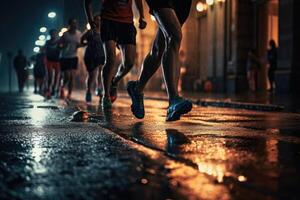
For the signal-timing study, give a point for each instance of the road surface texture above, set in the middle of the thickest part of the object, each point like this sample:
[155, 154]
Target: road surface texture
[48, 152]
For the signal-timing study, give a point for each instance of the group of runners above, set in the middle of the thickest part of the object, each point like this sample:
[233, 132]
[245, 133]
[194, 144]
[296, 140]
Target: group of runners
[112, 29]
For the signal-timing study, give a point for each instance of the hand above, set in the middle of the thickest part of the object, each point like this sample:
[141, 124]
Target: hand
[142, 23]
[92, 24]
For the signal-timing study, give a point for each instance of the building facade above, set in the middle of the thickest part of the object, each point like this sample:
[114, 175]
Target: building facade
[220, 33]
[217, 38]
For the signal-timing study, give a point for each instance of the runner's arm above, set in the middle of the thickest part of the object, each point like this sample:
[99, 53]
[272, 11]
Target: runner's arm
[84, 39]
[139, 6]
[61, 42]
[89, 12]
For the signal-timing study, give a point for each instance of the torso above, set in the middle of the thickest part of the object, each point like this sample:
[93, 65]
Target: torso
[52, 51]
[71, 43]
[118, 10]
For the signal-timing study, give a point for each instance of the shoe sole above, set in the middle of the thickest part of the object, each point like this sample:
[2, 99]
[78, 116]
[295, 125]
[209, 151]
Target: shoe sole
[183, 109]
[131, 96]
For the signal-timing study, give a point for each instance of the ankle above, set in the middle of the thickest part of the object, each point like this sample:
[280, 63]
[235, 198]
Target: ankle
[173, 98]
[138, 87]
[114, 82]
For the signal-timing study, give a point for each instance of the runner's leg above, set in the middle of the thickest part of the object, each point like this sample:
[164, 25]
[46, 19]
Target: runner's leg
[170, 26]
[107, 71]
[152, 61]
[128, 58]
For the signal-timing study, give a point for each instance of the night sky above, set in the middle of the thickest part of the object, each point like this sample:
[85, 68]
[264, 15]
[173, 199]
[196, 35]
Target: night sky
[21, 21]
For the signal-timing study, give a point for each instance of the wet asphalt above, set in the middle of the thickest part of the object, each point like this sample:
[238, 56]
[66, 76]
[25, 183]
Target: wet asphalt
[48, 152]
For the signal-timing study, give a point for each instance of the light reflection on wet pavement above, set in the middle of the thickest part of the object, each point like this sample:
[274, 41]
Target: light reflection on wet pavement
[254, 151]
[211, 153]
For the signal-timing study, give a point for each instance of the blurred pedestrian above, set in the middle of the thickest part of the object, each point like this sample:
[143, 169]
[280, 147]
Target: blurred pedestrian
[20, 65]
[39, 71]
[52, 63]
[94, 58]
[117, 29]
[170, 16]
[272, 61]
[253, 65]
[69, 42]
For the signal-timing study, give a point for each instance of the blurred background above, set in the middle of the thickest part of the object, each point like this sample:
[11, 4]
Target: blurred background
[217, 38]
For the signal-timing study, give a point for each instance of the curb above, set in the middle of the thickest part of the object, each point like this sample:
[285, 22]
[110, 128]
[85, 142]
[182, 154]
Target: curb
[228, 104]
[239, 105]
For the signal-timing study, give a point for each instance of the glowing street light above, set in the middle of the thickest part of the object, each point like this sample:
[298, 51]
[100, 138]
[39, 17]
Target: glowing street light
[210, 2]
[42, 37]
[200, 6]
[62, 31]
[51, 15]
[43, 29]
[40, 43]
[36, 49]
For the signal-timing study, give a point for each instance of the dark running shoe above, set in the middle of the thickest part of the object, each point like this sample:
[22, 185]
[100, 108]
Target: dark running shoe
[178, 107]
[137, 106]
[88, 97]
[99, 92]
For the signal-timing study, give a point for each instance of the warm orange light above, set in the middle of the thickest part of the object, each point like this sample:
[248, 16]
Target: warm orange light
[200, 6]
[210, 2]
[242, 178]
[221, 1]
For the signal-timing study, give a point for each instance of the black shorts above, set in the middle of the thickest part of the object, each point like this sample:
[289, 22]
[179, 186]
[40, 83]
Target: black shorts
[68, 63]
[121, 33]
[92, 63]
[181, 7]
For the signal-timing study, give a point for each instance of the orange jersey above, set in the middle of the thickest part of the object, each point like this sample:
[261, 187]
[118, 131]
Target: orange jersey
[118, 10]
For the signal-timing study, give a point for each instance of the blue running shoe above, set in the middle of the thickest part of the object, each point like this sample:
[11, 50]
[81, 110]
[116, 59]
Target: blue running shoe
[99, 92]
[88, 97]
[178, 107]
[137, 106]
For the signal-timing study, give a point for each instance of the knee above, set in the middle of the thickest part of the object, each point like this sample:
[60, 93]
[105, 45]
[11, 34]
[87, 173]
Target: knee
[174, 39]
[110, 59]
[157, 52]
[128, 63]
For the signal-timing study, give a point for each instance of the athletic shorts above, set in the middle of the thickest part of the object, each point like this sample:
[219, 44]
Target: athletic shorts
[39, 72]
[68, 63]
[92, 63]
[181, 7]
[52, 65]
[121, 33]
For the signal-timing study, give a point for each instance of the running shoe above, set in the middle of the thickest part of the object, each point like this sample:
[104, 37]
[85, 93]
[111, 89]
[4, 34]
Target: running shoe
[113, 92]
[137, 106]
[99, 92]
[69, 96]
[88, 97]
[106, 103]
[48, 94]
[178, 107]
